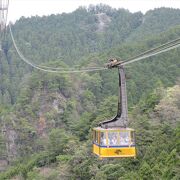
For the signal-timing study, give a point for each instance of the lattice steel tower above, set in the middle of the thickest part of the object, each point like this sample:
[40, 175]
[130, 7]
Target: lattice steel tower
[3, 14]
[4, 4]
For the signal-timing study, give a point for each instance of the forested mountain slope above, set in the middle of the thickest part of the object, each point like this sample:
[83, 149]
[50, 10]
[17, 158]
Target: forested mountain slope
[46, 119]
[70, 38]
[154, 22]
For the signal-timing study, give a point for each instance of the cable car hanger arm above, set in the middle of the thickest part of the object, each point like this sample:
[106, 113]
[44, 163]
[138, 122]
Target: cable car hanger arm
[121, 119]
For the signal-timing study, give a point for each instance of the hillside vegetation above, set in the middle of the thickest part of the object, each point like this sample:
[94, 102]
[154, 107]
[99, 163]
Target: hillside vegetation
[46, 119]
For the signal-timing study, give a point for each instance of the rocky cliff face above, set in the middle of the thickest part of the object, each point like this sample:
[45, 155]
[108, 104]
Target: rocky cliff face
[169, 107]
[103, 21]
[39, 110]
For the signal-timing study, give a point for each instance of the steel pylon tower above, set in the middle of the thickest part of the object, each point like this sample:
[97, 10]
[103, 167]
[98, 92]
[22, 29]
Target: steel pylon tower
[4, 4]
[3, 14]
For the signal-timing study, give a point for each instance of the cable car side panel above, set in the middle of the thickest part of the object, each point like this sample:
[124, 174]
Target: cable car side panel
[117, 152]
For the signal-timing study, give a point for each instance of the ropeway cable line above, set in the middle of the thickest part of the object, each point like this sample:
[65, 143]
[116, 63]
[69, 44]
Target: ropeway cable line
[155, 51]
[168, 44]
[49, 69]
[152, 52]
[69, 68]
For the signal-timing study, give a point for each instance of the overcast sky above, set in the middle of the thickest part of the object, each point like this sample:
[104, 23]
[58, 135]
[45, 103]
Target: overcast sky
[27, 8]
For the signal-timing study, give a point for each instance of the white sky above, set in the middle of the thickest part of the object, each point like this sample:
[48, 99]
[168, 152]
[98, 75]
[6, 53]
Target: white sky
[28, 8]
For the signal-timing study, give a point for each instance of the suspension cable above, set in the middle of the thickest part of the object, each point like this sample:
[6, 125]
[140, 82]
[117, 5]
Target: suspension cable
[155, 49]
[68, 68]
[52, 70]
[152, 52]
[173, 46]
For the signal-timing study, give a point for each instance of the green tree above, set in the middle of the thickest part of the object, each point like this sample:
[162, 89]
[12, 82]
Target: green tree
[58, 140]
[145, 171]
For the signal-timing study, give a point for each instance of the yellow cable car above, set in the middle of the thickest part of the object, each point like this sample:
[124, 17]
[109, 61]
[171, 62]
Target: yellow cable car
[113, 139]
[114, 142]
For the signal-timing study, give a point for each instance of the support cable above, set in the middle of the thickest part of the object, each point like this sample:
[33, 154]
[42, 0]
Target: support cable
[68, 68]
[156, 49]
[152, 54]
[50, 69]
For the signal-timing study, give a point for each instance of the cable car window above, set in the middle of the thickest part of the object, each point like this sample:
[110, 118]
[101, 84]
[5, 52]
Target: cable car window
[95, 136]
[103, 139]
[112, 138]
[124, 138]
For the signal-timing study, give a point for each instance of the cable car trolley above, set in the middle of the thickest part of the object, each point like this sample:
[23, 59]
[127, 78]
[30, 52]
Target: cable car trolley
[113, 139]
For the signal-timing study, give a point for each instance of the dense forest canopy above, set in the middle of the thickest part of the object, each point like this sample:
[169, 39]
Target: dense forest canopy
[47, 119]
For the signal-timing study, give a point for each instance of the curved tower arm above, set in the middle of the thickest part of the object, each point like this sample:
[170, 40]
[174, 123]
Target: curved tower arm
[120, 120]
